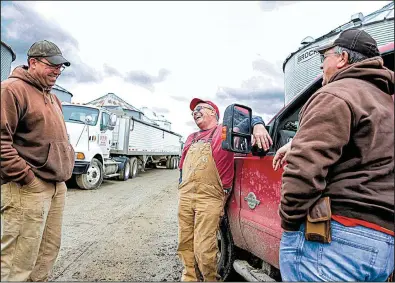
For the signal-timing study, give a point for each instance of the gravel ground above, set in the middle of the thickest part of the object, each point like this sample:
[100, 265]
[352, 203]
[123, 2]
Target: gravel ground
[124, 231]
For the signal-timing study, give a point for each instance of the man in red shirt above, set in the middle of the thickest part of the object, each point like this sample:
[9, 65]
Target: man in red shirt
[206, 180]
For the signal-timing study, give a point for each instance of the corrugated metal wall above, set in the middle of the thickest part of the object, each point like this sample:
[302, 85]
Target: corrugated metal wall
[148, 139]
[304, 66]
[6, 60]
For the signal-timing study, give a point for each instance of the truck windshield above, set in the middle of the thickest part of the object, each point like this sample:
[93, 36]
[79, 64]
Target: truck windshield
[77, 114]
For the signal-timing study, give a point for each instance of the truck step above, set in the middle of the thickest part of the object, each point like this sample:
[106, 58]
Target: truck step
[111, 175]
[250, 273]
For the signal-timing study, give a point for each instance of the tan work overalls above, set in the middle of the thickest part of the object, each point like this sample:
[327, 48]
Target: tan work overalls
[201, 203]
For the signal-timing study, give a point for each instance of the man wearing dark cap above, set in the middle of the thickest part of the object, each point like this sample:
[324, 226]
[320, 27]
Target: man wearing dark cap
[206, 180]
[36, 160]
[344, 150]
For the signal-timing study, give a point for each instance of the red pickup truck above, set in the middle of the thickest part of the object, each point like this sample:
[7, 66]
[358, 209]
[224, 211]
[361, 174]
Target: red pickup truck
[250, 232]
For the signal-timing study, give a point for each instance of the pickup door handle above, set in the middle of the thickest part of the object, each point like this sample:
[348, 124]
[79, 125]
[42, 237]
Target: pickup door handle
[251, 200]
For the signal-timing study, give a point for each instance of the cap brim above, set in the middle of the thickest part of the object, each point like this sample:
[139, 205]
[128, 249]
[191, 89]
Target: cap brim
[325, 47]
[195, 102]
[57, 60]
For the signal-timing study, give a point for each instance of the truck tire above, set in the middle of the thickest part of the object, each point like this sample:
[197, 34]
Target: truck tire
[226, 247]
[173, 162]
[168, 163]
[125, 172]
[134, 168]
[93, 178]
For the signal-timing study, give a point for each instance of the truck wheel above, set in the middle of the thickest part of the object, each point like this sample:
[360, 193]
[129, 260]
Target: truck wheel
[226, 248]
[93, 178]
[173, 163]
[125, 172]
[134, 167]
[168, 163]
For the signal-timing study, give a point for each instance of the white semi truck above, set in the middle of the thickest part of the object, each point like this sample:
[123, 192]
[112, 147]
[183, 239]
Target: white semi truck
[110, 144]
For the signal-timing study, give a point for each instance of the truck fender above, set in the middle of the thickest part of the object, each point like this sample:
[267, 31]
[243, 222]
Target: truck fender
[121, 160]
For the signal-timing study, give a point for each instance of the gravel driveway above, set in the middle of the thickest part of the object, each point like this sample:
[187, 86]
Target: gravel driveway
[124, 231]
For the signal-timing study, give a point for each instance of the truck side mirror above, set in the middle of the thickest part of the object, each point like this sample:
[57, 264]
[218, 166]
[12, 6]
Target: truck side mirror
[236, 129]
[88, 119]
[113, 120]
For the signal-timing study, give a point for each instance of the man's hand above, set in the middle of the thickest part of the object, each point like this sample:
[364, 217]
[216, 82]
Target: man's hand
[280, 156]
[261, 137]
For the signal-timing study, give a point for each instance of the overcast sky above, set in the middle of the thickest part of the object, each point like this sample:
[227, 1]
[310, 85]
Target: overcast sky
[162, 54]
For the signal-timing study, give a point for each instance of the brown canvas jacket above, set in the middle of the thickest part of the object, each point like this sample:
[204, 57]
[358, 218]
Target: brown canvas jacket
[344, 149]
[34, 139]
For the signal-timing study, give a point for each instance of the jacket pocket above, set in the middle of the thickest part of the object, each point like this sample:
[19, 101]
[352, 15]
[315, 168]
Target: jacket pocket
[36, 165]
[60, 162]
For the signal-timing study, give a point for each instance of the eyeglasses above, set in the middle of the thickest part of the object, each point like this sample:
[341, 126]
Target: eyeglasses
[197, 109]
[53, 67]
[323, 56]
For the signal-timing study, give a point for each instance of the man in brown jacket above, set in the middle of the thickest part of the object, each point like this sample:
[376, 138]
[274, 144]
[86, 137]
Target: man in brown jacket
[344, 150]
[36, 160]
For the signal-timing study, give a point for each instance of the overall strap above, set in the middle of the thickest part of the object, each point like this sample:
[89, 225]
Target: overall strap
[194, 138]
[211, 135]
[209, 139]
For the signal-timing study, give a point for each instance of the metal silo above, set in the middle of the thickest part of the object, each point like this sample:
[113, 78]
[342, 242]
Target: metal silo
[303, 66]
[63, 94]
[7, 57]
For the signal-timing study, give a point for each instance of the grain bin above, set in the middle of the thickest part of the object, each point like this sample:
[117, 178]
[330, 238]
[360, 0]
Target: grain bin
[63, 94]
[7, 57]
[303, 66]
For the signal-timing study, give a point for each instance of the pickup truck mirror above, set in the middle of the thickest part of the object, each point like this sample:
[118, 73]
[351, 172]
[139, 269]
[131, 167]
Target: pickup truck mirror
[236, 129]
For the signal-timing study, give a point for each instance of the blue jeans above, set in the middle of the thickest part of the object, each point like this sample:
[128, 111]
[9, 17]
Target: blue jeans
[355, 254]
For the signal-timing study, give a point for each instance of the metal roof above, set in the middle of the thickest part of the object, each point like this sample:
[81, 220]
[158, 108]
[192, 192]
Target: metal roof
[111, 99]
[58, 87]
[9, 48]
[385, 13]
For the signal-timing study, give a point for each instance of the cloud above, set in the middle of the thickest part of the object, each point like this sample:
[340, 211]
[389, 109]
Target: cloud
[111, 71]
[160, 110]
[146, 80]
[263, 101]
[22, 26]
[180, 98]
[263, 92]
[140, 78]
[268, 6]
[191, 124]
[268, 69]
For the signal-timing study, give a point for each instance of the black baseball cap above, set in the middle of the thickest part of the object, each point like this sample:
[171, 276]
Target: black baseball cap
[356, 40]
[49, 51]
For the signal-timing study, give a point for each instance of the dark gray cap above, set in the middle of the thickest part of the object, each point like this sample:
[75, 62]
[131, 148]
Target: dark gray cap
[49, 51]
[356, 40]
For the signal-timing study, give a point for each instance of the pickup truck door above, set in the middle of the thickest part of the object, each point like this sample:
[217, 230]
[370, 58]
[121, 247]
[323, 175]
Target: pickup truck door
[260, 198]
